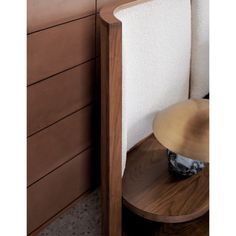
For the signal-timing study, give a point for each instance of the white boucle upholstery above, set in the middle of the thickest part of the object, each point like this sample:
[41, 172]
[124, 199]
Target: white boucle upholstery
[200, 49]
[156, 48]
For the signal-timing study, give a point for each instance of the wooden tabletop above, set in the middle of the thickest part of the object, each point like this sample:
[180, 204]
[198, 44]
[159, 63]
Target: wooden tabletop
[135, 225]
[151, 192]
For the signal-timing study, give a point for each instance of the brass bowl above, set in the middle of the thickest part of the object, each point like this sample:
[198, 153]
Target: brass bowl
[183, 128]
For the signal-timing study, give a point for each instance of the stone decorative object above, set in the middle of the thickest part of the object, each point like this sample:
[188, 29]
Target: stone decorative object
[183, 166]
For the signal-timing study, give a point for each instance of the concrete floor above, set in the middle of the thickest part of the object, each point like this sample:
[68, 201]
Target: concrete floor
[84, 218]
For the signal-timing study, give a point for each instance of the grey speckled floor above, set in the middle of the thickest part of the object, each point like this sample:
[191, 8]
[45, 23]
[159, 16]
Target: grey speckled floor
[84, 218]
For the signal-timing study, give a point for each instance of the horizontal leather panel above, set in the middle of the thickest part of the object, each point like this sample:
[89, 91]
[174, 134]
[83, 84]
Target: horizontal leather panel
[98, 39]
[102, 3]
[59, 96]
[59, 48]
[42, 14]
[58, 189]
[58, 143]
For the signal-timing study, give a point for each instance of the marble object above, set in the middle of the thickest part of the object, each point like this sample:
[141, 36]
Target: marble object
[183, 166]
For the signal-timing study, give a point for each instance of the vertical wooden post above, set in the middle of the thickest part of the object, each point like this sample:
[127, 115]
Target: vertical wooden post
[111, 127]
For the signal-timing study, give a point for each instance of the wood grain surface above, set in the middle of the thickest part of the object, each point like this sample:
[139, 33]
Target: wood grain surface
[58, 189]
[57, 97]
[152, 192]
[111, 117]
[43, 14]
[57, 144]
[111, 128]
[59, 48]
[134, 225]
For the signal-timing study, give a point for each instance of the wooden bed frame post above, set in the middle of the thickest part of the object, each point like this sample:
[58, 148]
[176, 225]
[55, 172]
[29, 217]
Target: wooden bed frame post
[111, 126]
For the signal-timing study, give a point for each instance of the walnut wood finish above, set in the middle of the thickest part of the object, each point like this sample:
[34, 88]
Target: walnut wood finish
[135, 225]
[111, 115]
[110, 128]
[150, 191]
[43, 14]
[53, 99]
[51, 194]
[57, 144]
[59, 48]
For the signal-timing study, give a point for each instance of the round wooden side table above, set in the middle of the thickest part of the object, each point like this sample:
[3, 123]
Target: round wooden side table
[152, 192]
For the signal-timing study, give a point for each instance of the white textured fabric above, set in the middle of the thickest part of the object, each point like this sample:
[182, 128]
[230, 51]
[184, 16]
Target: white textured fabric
[200, 49]
[156, 47]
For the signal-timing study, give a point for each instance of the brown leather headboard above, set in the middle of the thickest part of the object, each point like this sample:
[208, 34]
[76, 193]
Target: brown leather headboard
[61, 44]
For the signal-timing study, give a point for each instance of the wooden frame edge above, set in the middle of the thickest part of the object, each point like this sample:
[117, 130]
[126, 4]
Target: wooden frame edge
[111, 117]
[111, 78]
